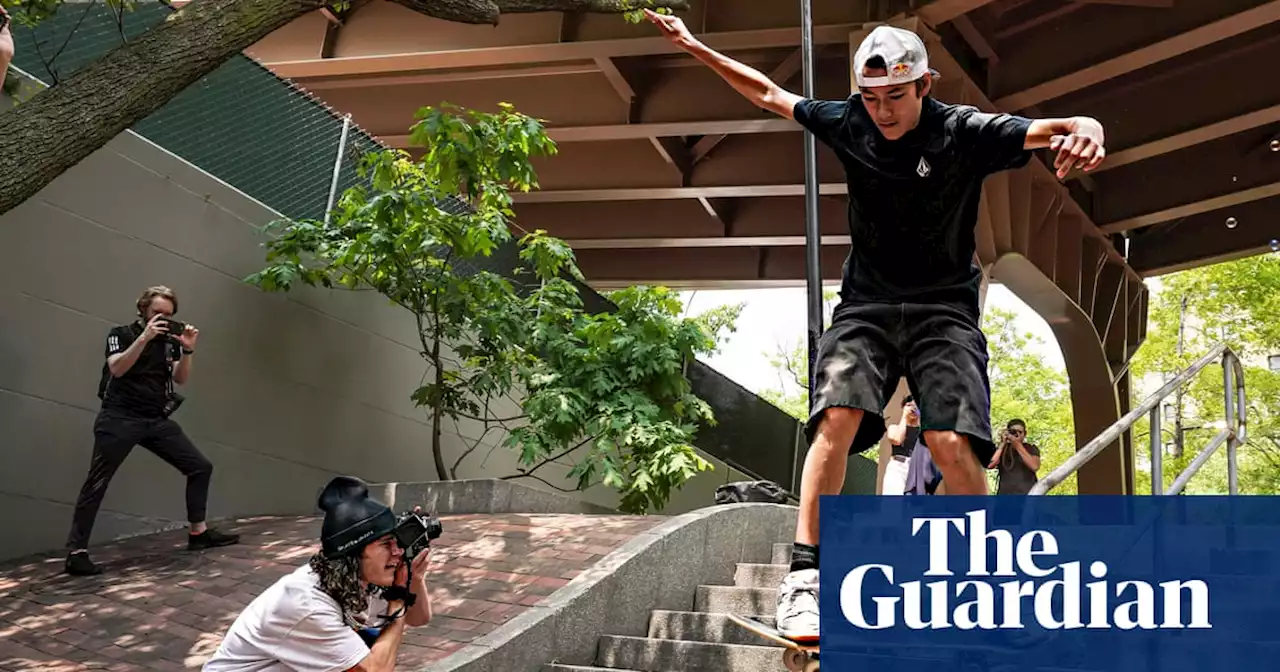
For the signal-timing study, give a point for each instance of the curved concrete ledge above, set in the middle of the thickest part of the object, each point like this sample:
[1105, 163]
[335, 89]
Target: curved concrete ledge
[659, 569]
[479, 495]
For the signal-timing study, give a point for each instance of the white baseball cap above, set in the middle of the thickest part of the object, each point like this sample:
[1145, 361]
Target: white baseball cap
[905, 57]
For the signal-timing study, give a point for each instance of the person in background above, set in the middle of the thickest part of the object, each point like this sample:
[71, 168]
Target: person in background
[144, 360]
[903, 437]
[335, 614]
[1015, 460]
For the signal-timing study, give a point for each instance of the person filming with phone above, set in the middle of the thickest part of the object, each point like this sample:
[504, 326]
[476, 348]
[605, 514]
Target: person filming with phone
[145, 359]
[348, 607]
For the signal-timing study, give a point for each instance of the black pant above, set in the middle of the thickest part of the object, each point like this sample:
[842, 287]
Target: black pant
[114, 435]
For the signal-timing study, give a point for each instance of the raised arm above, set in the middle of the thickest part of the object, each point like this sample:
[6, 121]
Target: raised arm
[1079, 142]
[746, 80]
[898, 432]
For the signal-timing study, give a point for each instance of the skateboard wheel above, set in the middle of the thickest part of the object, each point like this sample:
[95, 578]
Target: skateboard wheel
[798, 661]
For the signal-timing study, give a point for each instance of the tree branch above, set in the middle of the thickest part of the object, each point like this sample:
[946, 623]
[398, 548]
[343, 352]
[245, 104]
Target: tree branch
[559, 455]
[488, 420]
[123, 87]
[488, 11]
[538, 478]
[473, 447]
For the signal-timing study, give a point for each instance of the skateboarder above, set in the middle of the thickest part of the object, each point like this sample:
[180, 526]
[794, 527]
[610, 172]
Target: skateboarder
[915, 168]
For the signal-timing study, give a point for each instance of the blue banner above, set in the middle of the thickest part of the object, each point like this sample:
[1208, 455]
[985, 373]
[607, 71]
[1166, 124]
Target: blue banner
[967, 584]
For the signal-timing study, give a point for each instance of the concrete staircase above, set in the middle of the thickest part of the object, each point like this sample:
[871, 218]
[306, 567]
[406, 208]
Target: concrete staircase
[703, 639]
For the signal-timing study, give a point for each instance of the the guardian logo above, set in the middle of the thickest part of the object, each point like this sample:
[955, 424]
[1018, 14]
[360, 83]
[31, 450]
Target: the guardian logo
[1058, 602]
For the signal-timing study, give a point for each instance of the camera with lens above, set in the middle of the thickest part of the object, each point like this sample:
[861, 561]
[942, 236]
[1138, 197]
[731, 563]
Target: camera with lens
[414, 533]
[175, 328]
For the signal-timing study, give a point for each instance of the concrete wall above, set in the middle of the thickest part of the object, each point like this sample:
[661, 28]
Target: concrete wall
[286, 390]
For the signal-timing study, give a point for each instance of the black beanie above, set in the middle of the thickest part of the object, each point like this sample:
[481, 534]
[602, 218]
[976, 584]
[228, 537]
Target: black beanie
[351, 518]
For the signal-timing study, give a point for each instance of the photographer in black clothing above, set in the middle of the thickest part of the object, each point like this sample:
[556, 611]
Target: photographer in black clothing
[144, 360]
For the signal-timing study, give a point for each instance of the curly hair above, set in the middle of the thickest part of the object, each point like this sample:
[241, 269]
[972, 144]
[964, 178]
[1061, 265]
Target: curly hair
[340, 579]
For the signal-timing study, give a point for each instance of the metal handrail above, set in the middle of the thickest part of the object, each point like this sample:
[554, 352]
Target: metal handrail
[1233, 435]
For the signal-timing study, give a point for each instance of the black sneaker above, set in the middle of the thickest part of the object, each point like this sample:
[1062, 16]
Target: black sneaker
[210, 538]
[79, 564]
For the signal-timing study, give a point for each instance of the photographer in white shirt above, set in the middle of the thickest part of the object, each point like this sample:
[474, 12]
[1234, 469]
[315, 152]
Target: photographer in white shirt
[347, 609]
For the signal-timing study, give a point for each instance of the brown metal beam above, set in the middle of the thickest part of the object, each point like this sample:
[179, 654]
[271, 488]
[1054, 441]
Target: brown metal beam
[939, 12]
[560, 52]
[1191, 40]
[620, 84]
[1191, 138]
[1204, 239]
[1155, 4]
[1052, 15]
[676, 155]
[1189, 209]
[643, 131]
[975, 38]
[366, 82]
[781, 74]
[703, 241]
[668, 193]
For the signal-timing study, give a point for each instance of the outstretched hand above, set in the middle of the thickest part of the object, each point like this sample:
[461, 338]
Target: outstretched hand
[1081, 149]
[672, 27]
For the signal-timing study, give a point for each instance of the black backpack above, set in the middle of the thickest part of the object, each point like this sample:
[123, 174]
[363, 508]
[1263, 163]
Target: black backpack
[751, 491]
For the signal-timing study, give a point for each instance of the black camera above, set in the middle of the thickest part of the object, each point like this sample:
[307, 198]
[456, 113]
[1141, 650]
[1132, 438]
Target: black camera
[414, 533]
[171, 403]
[175, 327]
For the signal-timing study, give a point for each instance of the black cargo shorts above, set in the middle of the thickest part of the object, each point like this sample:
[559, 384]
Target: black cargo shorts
[941, 350]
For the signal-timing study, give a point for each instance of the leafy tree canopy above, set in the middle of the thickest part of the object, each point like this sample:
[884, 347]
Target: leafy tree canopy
[601, 393]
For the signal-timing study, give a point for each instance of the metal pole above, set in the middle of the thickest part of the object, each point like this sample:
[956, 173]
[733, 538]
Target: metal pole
[812, 235]
[1228, 394]
[1157, 453]
[337, 167]
[1177, 422]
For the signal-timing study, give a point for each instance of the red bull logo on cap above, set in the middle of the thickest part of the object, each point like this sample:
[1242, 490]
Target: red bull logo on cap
[900, 70]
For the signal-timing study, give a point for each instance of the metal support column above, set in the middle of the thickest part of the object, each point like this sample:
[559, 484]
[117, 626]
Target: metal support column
[337, 167]
[1157, 453]
[1228, 394]
[812, 235]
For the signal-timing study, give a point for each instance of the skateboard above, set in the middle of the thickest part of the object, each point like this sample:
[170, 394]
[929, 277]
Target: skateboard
[796, 657]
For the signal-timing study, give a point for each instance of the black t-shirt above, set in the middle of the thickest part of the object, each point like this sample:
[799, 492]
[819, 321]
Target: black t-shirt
[913, 202]
[144, 388]
[908, 442]
[1016, 478]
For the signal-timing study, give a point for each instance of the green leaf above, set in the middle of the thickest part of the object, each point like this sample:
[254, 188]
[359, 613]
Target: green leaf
[613, 382]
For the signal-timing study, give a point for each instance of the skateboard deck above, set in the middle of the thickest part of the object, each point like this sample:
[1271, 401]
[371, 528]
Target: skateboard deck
[796, 657]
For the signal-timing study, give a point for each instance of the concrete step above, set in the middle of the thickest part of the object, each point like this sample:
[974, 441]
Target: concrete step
[736, 600]
[652, 655]
[781, 554]
[694, 626]
[749, 575]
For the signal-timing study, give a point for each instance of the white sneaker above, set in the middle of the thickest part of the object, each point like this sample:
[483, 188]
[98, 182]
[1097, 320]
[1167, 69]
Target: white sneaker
[798, 606]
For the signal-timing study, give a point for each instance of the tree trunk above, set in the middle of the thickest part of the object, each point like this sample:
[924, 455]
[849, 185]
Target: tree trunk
[59, 127]
[437, 416]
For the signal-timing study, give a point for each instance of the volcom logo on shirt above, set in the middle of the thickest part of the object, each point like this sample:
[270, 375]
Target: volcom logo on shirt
[923, 169]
